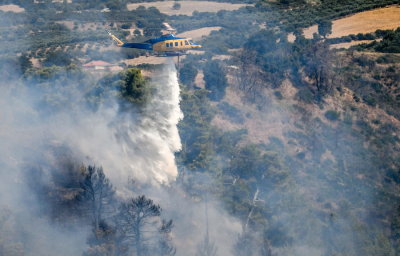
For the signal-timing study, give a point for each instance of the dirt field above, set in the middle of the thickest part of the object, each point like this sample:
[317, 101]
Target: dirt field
[364, 22]
[198, 33]
[11, 8]
[188, 7]
[347, 45]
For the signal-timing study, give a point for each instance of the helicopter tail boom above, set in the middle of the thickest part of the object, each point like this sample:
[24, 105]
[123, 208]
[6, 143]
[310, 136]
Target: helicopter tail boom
[115, 39]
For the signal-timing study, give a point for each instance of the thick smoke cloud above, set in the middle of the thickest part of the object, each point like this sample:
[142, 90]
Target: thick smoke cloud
[137, 145]
[131, 144]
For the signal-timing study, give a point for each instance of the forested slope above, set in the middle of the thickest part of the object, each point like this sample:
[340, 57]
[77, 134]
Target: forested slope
[292, 148]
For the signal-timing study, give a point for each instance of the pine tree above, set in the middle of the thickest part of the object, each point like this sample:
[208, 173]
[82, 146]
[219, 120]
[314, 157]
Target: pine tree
[97, 193]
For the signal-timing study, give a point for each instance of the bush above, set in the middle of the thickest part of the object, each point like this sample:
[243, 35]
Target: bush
[215, 80]
[332, 115]
[278, 95]
[126, 26]
[301, 155]
[235, 115]
[306, 96]
[176, 6]
[187, 74]
[370, 101]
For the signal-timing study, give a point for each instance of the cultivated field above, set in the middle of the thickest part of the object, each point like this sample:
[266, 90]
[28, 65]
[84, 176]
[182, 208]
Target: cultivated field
[188, 7]
[11, 8]
[198, 33]
[364, 22]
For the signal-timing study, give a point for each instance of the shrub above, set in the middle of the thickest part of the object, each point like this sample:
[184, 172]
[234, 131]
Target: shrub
[278, 95]
[306, 96]
[370, 101]
[215, 80]
[301, 155]
[126, 26]
[176, 6]
[187, 74]
[234, 114]
[391, 69]
[332, 115]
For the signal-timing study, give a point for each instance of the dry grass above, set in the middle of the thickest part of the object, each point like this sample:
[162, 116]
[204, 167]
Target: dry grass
[188, 7]
[198, 33]
[144, 59]
[221, 57]
[279, 115]
[11, 8]
[199, 81]
[260, 124]
[363, 22]
[348, 45]
[35, 63]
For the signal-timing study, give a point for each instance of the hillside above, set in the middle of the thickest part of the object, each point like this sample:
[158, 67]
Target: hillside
[272, 140]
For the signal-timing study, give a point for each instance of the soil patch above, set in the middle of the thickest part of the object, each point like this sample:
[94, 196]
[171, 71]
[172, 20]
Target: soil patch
[198, 33]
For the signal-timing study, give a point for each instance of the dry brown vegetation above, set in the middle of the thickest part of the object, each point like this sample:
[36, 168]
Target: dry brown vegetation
[188, 7]
[363, 22]
[199, 81]
[348, 45]
[279, 115]
[198, 33]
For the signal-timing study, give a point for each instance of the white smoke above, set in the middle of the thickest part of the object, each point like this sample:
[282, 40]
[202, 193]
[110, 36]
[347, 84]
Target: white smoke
[142, 145]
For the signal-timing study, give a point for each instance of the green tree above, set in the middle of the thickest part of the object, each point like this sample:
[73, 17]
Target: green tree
[152, 30]
[58, 58]
[133, 87]
[25, 63]
[140, 223]
[97, 193]
[215, 78]
[176, 6]
[187, 74]
[325, 28]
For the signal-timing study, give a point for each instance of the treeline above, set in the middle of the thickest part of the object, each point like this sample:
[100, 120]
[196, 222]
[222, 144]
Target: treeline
[309, 14]
[390, 43]
[85, 195]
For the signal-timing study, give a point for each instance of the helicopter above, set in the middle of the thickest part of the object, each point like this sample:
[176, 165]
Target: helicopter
[168, 44]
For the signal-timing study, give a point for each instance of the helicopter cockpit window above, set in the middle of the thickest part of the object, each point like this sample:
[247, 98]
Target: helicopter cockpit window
[186, 42]
[191, 42]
